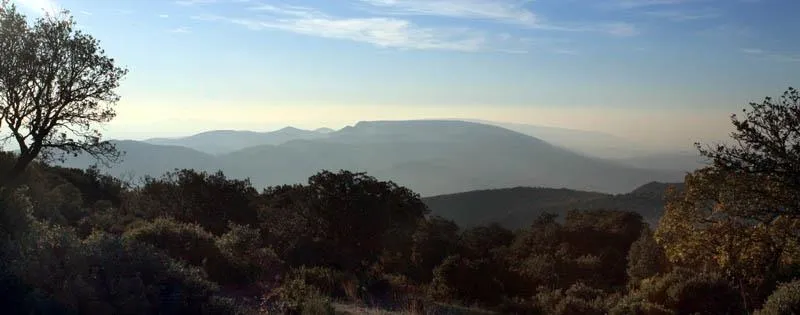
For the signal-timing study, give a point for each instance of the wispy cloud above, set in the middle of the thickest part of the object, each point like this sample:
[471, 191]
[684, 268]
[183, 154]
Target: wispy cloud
[621, 29]
[631, 4]
[775, 56]
[180, 30]
[40, 6]
[194, 2]
[680, 15]
[163, 16]
[381, 32]
[389, 24]
[508, 11]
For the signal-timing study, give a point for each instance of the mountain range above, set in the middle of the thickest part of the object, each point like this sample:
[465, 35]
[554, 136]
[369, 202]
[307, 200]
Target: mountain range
[431, 157]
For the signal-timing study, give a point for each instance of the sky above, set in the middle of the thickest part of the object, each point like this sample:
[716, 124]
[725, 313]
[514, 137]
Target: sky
[661, 71]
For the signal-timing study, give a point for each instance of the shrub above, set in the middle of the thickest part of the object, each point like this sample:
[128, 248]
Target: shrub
[292, 293]
[784, 300]
[637, 306]
[244, 248]
[686, 292]
[577, 299]
[317, 305]
[467, 280]
[189, 243]
[100, 275]
[325, 281]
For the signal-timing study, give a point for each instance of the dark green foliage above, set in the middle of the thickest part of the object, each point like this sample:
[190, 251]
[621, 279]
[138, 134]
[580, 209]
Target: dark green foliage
[646, 258]
[484, 241]
[189, 243]
[467, 280]
[210, 200]
[248, 254]
[577, 299]
[434, 239]
[784, 301]
[325, 281]
[348, 219]
[637, 306]
[515, 208]
[102, 274]
[687, 292]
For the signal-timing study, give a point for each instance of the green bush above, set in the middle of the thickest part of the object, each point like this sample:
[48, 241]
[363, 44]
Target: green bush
[684, 291]
[577, 299]
[102, 274]
[317, 305]
[637, 306]
[784, 300]
[244, 248]
[189, 243]
[467, 281]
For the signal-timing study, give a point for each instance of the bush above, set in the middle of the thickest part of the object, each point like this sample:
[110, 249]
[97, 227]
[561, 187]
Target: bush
[100, 275]
[244, 248]
[325, 281]
[466, 280]
[686, 292]
[189, 243]
[577, 299]
[637, 306]
[317, 305]
[293, 293]
[784, 300]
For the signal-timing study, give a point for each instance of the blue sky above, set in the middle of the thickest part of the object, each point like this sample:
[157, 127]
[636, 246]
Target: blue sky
[654, 70]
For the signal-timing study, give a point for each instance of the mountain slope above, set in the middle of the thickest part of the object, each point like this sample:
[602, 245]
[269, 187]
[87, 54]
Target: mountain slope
[430, 157]
[592, 143]
[518, 207]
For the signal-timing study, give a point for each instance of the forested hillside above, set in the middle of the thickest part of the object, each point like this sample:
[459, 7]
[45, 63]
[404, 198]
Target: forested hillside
[515, 208]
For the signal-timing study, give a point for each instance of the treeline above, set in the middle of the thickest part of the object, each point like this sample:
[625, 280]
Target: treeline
[78, 241]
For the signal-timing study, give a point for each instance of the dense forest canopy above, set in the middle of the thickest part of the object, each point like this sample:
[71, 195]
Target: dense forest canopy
[76, 241]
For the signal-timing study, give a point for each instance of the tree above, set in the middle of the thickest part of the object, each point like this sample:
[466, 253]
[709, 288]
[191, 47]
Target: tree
[56, 84]
[766, 144]
[352, 216]
[714, 224]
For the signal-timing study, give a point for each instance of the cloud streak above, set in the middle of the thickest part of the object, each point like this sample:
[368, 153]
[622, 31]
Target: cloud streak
[774, 56]
[388, 25]
[512, 12]
[381, 32]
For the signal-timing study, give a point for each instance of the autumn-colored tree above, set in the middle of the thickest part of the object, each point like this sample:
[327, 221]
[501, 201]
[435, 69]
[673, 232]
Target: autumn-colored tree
[56, 84]
[720, 223]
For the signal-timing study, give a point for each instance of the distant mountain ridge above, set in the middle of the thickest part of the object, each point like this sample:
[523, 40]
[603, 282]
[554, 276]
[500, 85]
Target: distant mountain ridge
[517, 207]
[226, 141]
[430, 157]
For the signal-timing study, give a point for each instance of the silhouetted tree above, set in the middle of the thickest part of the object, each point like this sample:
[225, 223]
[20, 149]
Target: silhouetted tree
[56, 83]
[435, 239]
[355, 216]
[211, 200]
[766, 144]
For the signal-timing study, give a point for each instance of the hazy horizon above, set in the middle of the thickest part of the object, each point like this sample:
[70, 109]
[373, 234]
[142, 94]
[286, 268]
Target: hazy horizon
[667, 72]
